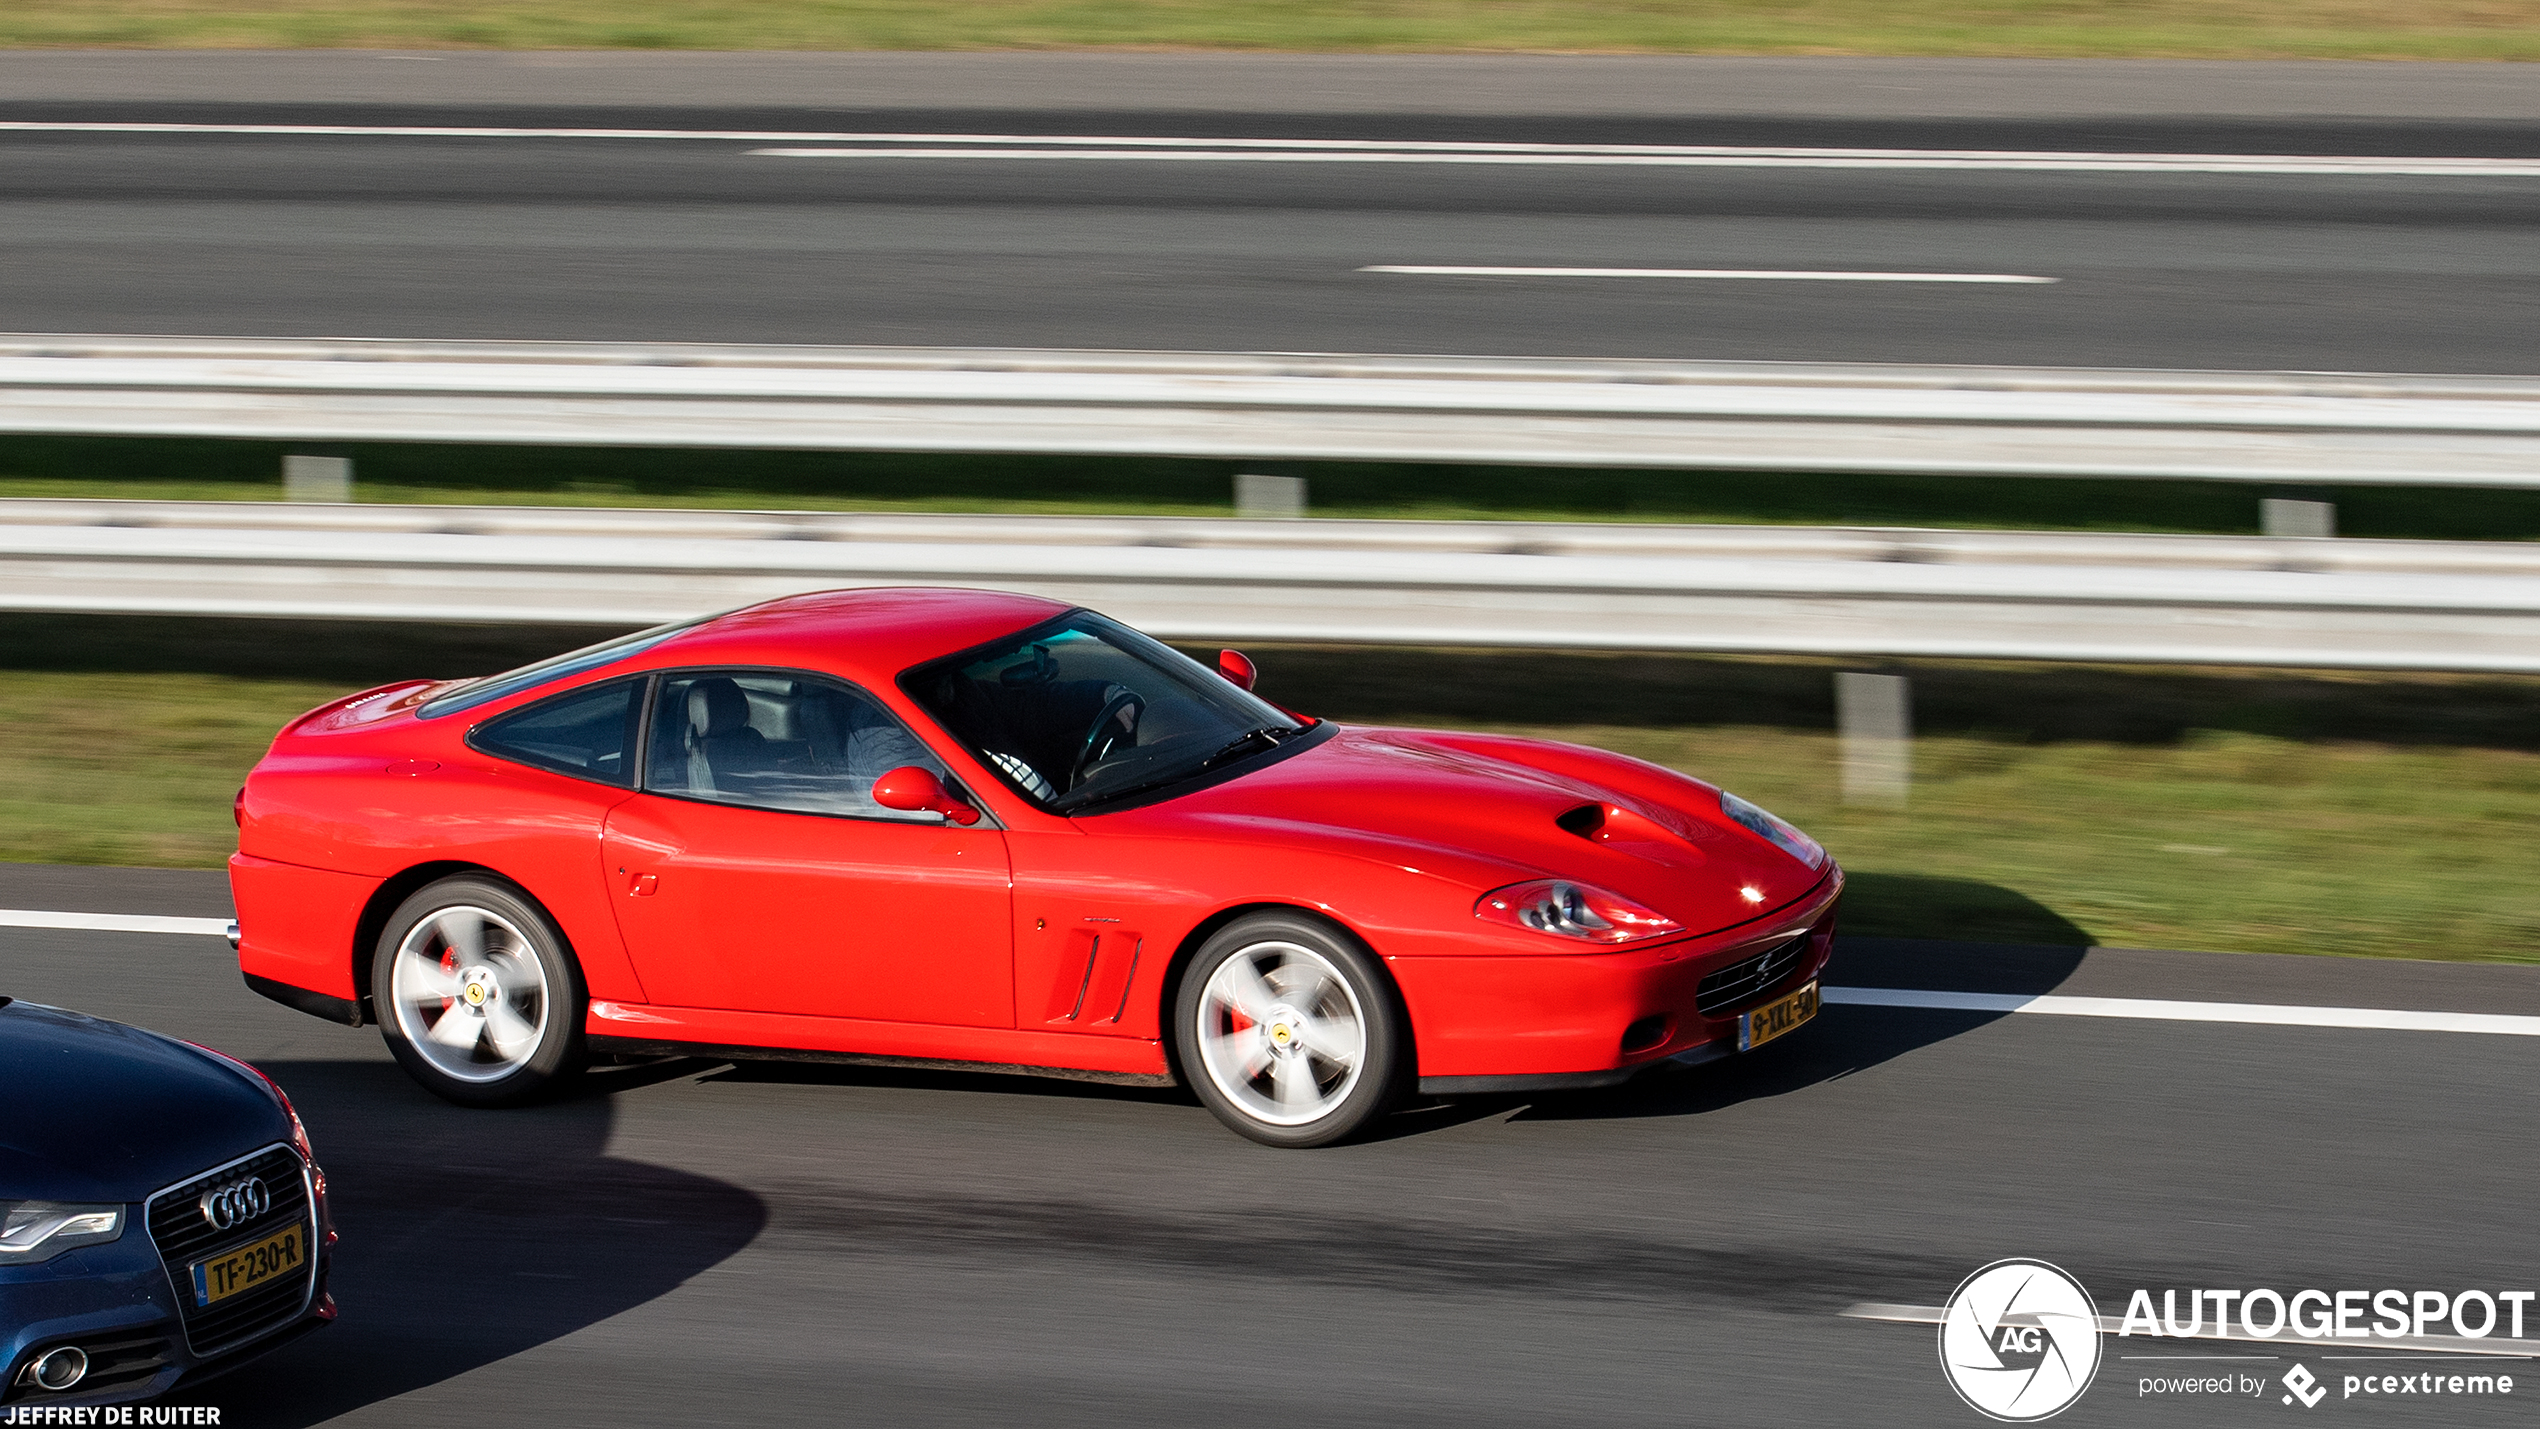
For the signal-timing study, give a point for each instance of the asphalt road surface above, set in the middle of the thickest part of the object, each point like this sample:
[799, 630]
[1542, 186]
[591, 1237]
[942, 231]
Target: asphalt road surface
[692, 1244]
[703, 240]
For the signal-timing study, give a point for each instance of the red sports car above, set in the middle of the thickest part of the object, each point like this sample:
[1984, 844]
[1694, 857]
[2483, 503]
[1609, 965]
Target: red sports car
[962, 828]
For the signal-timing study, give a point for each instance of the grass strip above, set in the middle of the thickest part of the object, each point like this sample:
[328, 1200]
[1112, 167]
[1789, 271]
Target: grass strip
[2233, 811]
[2293, 29]
[211, 470]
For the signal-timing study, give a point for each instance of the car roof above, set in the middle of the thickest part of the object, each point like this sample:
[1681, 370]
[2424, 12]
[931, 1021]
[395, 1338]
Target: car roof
[872, 633]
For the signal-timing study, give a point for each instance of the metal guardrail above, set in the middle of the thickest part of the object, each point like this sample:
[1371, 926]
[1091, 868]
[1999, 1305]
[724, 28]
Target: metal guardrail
[2258, 427]
[2015, 595]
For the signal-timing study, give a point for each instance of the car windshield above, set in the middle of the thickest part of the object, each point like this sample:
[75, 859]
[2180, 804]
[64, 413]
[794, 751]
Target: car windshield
[554, 667]
[1083, 711]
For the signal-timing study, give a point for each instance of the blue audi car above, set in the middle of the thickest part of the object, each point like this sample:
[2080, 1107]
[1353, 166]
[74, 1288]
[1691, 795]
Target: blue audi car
[161, 1217]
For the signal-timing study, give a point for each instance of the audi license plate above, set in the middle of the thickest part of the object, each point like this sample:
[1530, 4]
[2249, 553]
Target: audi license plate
[250, 1265]
[1775, 1018]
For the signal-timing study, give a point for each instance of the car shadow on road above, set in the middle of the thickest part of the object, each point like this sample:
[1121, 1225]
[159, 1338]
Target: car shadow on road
[470, 1236]
[1914, 905]
[1849, 1039]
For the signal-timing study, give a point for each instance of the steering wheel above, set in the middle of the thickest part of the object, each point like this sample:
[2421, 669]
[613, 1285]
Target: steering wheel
[1115, 729]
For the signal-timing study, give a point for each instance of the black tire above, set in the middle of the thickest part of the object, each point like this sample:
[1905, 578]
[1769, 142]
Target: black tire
[518, 973]
[1311, 977]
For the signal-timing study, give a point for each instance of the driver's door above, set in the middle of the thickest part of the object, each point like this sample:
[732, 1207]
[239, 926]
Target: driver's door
[755, 873]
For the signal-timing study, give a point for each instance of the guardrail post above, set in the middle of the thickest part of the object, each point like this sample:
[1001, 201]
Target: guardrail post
[1269, 497]
[2277, 517]
[317, 478]
[1874, 716]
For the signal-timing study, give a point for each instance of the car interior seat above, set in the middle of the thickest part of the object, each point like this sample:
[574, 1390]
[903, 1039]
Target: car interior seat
[720, 742]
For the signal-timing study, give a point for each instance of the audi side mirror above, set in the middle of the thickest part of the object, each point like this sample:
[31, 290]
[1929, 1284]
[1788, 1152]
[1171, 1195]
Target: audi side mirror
[918, 791]
[1237, 667]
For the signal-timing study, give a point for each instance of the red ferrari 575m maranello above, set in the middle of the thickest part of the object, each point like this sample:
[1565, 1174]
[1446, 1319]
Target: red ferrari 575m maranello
[958, 827]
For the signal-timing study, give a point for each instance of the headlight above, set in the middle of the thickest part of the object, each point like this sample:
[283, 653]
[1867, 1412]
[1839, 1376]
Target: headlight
[40, 1230]
[1777, 831]
[1573, 910]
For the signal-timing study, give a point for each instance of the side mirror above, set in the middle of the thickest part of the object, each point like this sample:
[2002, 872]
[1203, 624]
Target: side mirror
[1236, 666]
[918, 791]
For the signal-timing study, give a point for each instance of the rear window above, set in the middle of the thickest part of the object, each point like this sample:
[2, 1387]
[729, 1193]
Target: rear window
[554, 667]
[589, 733]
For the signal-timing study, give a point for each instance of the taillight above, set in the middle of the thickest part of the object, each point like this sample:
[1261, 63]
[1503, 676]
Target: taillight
[238, 807]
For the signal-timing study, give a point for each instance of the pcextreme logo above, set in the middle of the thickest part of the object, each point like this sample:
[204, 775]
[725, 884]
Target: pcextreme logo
[2019, 1340]
[2305, 1386]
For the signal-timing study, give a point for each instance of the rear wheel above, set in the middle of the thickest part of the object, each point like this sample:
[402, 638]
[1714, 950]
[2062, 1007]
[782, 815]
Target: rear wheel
[1289, 1031]
[476, 995]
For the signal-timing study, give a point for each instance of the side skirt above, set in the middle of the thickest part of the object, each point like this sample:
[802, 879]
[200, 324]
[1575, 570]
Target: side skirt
[643, 1047]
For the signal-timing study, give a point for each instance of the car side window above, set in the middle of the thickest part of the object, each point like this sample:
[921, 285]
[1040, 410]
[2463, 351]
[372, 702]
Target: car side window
[778, 740]
[589, 733]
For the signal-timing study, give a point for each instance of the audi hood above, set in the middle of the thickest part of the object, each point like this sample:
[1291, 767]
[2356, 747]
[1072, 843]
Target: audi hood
[98, 1111]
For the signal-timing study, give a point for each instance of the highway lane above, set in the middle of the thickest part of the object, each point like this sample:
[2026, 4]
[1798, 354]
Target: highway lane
[695, 1244]
[419, 236]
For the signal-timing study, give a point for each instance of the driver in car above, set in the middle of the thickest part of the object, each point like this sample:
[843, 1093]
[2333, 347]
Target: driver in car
[1037, 727]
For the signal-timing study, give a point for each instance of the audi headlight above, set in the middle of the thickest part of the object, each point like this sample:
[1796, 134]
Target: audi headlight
[40, 1230]
[1777, 831]
[1573, 910]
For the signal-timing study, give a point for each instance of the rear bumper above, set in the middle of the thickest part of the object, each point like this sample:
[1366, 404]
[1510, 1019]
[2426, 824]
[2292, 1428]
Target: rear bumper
[1580, 1020]
[296, 928]
[346, 1010]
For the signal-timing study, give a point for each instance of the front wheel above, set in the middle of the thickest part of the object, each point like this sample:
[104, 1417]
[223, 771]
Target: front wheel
[1289, 1031]
[476, 995]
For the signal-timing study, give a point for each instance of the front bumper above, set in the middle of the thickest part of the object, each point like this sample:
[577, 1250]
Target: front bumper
[119, 1305]
[1565, 1021]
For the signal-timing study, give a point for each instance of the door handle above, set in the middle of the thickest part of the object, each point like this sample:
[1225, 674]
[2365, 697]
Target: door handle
[643, 886]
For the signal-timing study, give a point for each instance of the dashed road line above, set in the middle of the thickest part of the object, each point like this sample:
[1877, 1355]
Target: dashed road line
[1769, 275]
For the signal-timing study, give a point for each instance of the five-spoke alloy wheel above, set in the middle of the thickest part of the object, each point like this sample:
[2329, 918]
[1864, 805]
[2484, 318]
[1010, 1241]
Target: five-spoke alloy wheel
[476, 994]
[1289, 1031]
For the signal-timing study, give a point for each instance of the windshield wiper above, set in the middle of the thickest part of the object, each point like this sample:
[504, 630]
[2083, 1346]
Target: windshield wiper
[1271, 732]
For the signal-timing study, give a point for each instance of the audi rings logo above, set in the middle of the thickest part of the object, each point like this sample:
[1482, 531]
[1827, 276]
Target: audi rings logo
[2019, 1340]
[236, 1203]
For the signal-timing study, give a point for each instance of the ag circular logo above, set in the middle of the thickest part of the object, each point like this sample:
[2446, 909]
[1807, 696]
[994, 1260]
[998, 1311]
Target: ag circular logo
[2019, 1340]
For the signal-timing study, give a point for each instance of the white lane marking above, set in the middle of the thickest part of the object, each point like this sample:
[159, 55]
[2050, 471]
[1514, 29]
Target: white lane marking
[112, 922]
[2491, 1348]
[1368, 150]
[1770, 275]
[1656, 156]
[2275, 1014]
[2164, 1010]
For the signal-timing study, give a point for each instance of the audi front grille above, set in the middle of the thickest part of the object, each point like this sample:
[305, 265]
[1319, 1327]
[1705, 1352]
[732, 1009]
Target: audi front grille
[1749, 979]
[184, 1237]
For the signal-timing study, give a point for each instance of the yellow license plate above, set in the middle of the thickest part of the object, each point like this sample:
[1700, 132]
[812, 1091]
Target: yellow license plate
[249, 1266]
[1775, 1018]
